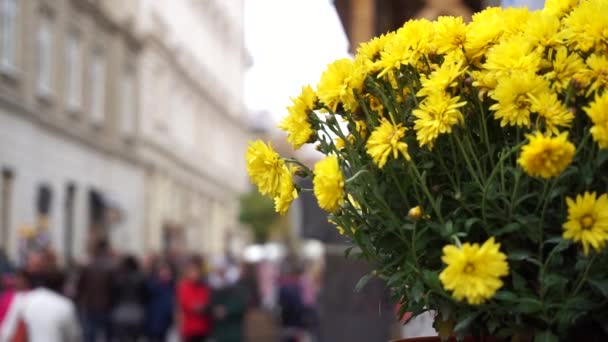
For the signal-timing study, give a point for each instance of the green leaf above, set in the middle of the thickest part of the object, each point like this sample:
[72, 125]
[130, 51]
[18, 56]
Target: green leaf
[463, 324]
[470, 222]
[601, 285]
[518, 255]
[545, 336]
[506, 296]
[448, 229]
[529, 306]
[602, 156]
[509, 228]
[363, 281]
[432, 280]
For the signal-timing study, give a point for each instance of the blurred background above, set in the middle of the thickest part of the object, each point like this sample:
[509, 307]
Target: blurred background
[123, 129]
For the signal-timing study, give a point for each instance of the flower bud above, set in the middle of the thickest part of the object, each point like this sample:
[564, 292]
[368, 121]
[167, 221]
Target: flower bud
[415, 213]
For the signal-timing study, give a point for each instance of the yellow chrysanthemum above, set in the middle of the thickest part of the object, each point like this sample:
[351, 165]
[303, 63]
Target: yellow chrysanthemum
[384, 140]
[586, 28]
[287, 192]
[514, 94]
[552, 112]
[597, 74]
[296, 123]
[559, 7]
[515, 20]
[546, 157]
[473, 273]
[339, 82]
[368, 53]
[265, 167]
[440, 80]
[437, 114]
[565, 66]
[328, 184]
[542, 29]
[513, 55]
[598, 113]
[483, 32]
[450, 34]
[587, 221]
[484, 81]
[406, 46]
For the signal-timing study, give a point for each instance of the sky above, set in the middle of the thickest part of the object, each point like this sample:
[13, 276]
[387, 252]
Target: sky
[291, 42]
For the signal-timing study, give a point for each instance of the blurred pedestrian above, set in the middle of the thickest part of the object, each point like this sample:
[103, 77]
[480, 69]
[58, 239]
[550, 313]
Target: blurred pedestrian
[160, 308]
[229, 301]
[290, 302]
[129, 296]
[13, 287]
[94, 293]
[194, 295]
[310, 285]
[48, 315]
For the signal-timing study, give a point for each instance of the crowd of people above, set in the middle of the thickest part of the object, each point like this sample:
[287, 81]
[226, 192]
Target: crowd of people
[115, 297]
[120, 298]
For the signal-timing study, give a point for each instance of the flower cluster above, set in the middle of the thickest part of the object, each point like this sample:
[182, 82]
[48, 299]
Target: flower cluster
[444, 131]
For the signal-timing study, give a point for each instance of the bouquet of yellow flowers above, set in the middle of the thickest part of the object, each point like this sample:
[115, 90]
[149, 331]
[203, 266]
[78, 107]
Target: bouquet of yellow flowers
[469, 164]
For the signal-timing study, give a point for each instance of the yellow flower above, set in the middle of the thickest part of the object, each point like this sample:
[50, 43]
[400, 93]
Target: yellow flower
[542, 29]
[328, 184]
[287, 192]
[546, 157]
[415, 213]
[473, 272]
[440, 80]
[437, 114]
[385, 139]
[265, 167]
[513, 55]
[338, 84]
[368, 53]
[553, 113]
[450, 34]
[587, 221]
[515, 19]
[559, 7]
[485, 30]
[586, 28]
[598, 113]
[565, 67]
[297, 124]
[406, 46]
[484, 81]
[514, 94]
[598, 71]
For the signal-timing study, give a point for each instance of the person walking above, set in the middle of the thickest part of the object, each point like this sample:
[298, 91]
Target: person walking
[229, 302]
[94, 293]
[193, 296]
[48, 315]
[129, 291]
[160, 287]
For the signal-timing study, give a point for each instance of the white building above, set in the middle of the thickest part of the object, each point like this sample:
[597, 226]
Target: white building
[193, 136]
[68, 105]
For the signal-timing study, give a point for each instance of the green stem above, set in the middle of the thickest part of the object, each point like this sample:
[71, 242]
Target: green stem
[426, 191]
[585, 275]
[468, 162]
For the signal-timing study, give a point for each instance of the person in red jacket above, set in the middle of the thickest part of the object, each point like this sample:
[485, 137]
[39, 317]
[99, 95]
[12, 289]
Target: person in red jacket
[194, 296]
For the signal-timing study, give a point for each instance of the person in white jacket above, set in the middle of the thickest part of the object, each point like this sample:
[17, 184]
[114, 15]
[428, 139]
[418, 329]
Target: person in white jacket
[48, 315]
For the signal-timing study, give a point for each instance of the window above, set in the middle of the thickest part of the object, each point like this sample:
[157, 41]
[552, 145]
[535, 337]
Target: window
[45, 56]
[5, 207]
[128, 101]
[98, 88]
[8, 20]
[73, 59]
[70, 195]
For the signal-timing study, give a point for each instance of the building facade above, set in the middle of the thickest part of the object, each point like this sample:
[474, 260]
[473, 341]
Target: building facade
[193, 135]
[68, 121]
